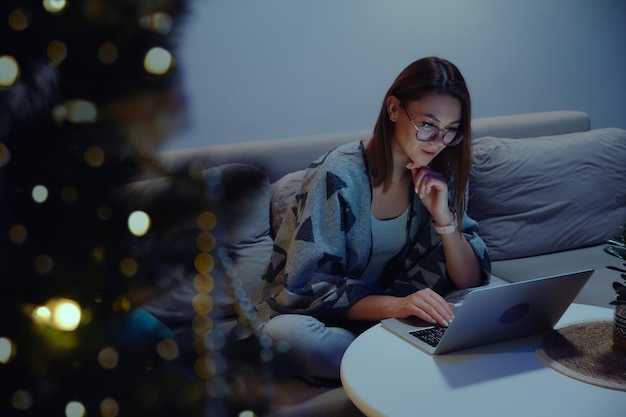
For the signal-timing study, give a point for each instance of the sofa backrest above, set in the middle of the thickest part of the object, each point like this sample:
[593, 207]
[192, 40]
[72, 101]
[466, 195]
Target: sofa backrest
[281, 156]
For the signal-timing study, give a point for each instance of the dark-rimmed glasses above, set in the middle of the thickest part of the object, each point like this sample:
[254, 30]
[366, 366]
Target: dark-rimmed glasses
[427, 132]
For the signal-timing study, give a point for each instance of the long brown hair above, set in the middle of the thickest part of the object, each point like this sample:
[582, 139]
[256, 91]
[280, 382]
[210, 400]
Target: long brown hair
[423, 77]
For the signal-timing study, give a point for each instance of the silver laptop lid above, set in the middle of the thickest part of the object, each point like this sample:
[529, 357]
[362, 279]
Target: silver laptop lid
[492, 314]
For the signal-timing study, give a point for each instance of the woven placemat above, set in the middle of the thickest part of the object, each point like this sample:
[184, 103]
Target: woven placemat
[585, 351]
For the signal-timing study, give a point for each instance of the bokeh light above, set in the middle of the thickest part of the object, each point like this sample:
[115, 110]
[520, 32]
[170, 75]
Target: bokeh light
[5, 155]
[139, 223]
[203, 283]
[104, 212]
[18, 20]
[205, 242]
[69, 195]
[107, 53]
[202, 325]
[94, 156]
[158, 22]
[158, 61]
[40, 193]
[108, 358]
[60, 313]
[97, 253]
[18, 234]
[9, 71]
[66, 313]
[128, 267]
[204, 262]
[57, 52]
[43, 264]
[42, 315]
[82, 111]
[21, 400]
[8, 350]
[204, 367]
[75, 111]
[109, 408]
[168, 349]
[54, 6]
[122, 304]
[207, 221]
[202, 303]
[75, 409]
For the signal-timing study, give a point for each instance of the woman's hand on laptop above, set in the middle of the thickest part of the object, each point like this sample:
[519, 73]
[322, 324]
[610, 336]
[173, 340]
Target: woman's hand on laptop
[427, 305]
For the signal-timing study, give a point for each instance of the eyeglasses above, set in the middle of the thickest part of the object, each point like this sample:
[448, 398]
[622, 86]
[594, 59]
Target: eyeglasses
[427, 132]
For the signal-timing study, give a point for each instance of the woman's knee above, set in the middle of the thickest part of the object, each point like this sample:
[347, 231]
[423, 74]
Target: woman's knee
[313, 348]
[285, 326]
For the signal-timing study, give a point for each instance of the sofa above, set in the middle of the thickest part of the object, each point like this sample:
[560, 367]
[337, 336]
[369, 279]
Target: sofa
[546, 189]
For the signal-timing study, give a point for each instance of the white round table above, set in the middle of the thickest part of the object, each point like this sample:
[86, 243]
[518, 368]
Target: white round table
[386, 376]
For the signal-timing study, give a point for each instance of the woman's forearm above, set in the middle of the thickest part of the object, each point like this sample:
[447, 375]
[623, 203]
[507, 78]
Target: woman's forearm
[372, 307]
[461, 261]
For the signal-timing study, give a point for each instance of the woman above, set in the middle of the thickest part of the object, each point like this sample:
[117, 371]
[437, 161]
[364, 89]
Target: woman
[378, 228]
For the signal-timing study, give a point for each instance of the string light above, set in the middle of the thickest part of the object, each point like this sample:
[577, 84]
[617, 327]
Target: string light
[203, 283]
[5, 155]
[108, 358]
[139, 223]
[75, 409]
[158, 22]
[69, 195]
[168, 349]
[18, 234]
[128, 267]
[7, 350]
[60, 313]
[40, 193]
[107, 53]
[18, 20]
[104, 212]
[202, 325]
[54, 6]
[205, 242]
[22, 400]
[204, 262]
[57, 52]
[109, 408]
[75, 111]
[94, 156]
[207, 221]
[202, 303]
[43, 264]
[9, 71]
[158, 61]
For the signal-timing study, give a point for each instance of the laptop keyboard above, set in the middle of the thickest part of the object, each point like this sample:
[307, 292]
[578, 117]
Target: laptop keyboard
[431, 335]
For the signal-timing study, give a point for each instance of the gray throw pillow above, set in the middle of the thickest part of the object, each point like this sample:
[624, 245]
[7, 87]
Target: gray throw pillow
[547, 194]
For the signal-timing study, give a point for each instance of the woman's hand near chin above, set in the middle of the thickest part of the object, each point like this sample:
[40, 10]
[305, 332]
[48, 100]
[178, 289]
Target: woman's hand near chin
[432, 189]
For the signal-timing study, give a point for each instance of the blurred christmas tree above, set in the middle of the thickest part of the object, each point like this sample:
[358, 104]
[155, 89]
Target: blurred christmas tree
[87, 90]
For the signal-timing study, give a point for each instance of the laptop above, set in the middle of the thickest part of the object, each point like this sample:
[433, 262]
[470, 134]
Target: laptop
[484, 315]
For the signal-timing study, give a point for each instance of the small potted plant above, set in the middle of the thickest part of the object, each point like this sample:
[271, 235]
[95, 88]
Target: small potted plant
[617, 247]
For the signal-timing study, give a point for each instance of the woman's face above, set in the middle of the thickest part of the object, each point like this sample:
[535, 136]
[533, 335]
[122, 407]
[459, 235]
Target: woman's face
[440, 111]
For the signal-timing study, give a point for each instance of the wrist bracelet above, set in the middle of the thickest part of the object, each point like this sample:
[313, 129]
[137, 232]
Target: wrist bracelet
[445, 230]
